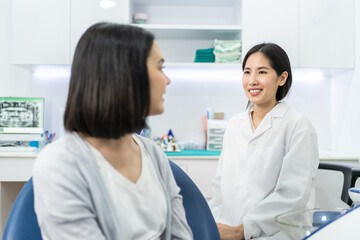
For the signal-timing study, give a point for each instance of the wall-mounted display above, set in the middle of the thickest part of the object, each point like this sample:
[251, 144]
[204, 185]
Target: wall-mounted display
[21, 115]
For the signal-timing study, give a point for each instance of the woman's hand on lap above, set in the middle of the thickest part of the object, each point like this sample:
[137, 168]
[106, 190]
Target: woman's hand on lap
[228, 232]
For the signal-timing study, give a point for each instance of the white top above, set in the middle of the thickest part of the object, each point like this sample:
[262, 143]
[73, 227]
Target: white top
[143, 211]
[265, 172]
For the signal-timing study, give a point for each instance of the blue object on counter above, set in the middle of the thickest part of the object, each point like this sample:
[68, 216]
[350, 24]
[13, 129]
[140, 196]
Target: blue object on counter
[194, 153]
[34, 144]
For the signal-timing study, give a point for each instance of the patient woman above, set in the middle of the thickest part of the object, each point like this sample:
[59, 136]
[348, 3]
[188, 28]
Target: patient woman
[100, 180]
[269, 157]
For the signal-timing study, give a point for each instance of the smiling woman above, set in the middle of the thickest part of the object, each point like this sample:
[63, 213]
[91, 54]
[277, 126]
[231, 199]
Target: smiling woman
[262, 84]
[158, 80]
[269, 156]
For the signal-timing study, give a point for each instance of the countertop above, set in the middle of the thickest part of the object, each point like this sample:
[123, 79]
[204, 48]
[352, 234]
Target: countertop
[199, 154]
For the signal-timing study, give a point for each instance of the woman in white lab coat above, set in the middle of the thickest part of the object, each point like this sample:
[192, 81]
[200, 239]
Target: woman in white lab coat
[270, 155]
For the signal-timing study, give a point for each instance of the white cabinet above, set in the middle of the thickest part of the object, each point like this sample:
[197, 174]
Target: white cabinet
[85, 13]
[201, 169]
[46, 32]
[181, 27]
[271, 21]
[40, 32]
[327, 33]
[315, 34]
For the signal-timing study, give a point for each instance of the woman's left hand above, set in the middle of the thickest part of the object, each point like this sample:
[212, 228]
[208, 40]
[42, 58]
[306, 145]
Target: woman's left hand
[228, 232]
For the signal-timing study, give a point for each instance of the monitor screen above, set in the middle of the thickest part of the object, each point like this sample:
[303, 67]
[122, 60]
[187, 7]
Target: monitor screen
[21, 115]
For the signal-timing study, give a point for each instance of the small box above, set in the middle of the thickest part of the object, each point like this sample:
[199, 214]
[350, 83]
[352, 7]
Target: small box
[219, 115]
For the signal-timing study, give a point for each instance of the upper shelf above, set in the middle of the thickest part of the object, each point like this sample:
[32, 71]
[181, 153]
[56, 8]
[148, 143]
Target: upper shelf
[171, 31]
[188, 2]
[201, 65]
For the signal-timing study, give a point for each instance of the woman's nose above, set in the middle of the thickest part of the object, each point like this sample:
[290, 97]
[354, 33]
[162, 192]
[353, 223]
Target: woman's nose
[253, 80]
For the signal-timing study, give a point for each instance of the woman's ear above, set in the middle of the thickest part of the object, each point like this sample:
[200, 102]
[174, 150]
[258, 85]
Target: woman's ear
[283, 78]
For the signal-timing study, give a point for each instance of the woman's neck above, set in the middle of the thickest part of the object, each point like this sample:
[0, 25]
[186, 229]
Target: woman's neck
[111, 145]
[260, 112]
[123, 154]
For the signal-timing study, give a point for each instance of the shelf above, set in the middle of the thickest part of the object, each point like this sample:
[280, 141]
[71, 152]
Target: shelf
[205, 3]
[203, 65]
[199, 32]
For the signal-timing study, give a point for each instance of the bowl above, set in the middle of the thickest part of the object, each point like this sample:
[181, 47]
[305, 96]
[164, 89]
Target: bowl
[299, 224]
[354, 194]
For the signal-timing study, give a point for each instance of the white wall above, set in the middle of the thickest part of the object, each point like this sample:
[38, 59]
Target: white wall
[14, 81]
[192, 91]
[310, 95]
[345, 101]
[52, 83]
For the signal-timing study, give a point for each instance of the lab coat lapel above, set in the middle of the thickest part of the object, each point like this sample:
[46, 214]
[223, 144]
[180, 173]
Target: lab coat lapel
[263, 127]
[278, 111]
[247, 129]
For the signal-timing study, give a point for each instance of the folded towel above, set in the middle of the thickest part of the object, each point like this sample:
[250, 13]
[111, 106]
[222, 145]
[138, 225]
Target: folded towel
[205, 51]
[227, 45]
[205, 59]
[205, 55]
[228, 60]
[227, 51]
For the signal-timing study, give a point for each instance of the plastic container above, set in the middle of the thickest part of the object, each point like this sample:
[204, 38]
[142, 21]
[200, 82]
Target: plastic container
[140, 18]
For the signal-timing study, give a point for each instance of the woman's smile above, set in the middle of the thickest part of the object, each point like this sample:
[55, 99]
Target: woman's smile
[255, 92]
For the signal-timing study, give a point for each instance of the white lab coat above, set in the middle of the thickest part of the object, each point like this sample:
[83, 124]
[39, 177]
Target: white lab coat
[265, 172]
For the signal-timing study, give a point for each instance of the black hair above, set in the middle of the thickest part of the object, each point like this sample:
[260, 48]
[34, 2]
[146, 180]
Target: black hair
[109, 93]
[279, 61]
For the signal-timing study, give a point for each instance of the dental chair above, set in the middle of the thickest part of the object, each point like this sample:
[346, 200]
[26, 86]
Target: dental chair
[350, 175]
[198, 214]
[22, 223]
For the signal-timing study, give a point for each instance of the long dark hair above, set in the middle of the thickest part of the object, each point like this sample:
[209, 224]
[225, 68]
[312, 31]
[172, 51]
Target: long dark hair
[279, 61]
[109, 93]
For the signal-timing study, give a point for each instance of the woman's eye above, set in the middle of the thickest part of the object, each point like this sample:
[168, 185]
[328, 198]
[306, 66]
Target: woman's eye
[262, 72]
[246, 72]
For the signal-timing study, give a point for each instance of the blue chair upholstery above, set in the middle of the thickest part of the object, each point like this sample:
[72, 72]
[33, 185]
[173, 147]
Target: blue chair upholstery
[198, 214]
[22, 223]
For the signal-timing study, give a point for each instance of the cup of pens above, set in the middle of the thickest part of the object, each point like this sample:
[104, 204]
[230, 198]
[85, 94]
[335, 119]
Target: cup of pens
[42, 140]
[48, 137]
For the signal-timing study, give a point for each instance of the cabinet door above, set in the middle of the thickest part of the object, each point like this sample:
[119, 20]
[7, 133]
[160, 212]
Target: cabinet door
[201, 171]
[40, 32]
[272, 21]
[85, 13]
[327, 33]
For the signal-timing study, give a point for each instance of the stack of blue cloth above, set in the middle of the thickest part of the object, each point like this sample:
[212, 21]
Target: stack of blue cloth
[205, 55]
